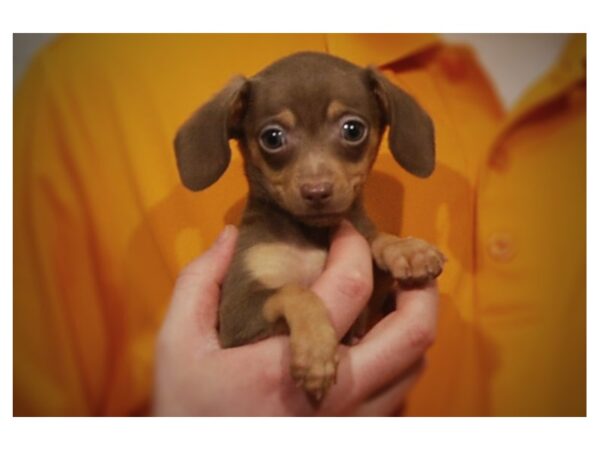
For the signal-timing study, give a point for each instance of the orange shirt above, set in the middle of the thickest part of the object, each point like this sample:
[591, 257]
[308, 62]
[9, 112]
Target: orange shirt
[102, 224]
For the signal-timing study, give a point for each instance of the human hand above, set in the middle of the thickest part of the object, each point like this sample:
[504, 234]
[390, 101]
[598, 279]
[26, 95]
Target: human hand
[194, 376]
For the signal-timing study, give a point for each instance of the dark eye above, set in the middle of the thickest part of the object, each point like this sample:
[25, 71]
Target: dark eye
[272, 139]
[354, 130]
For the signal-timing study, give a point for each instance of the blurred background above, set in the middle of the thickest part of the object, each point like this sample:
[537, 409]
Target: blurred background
[513, 61]
[111, 264]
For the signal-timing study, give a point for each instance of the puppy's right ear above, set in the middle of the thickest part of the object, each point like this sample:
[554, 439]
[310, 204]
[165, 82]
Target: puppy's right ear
[201, 145]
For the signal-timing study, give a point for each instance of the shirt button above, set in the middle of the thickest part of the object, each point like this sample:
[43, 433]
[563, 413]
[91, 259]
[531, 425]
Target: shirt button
[501, 246]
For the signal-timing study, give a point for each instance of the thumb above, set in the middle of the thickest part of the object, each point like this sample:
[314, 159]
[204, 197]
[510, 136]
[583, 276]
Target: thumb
[346, 283]
[197, 290]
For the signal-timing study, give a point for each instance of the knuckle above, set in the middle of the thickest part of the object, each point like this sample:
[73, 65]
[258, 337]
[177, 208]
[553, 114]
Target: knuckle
[355, 284]
[274, 376]
[421, 336]
[188, 275]
[184, 282]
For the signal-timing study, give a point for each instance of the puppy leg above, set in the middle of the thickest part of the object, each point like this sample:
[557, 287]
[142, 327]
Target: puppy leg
[313, 339]
[411, 261]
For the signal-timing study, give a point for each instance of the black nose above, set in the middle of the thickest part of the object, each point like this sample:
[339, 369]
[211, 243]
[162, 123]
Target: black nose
[316, 193]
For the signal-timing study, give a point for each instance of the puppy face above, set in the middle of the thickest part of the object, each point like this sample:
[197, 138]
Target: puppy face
[309, 127]
[310, 134]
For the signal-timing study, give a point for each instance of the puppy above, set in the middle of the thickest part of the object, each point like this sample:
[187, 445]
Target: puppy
[309, 128]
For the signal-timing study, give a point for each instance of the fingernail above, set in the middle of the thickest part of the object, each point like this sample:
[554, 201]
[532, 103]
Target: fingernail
[224, 235]
[346, 225]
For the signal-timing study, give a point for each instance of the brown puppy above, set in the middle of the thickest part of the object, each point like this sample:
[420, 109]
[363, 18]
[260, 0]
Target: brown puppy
[309, 127]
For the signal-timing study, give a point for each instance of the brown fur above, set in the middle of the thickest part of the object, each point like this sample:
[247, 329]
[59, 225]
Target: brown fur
[300, 191]
[314, 357]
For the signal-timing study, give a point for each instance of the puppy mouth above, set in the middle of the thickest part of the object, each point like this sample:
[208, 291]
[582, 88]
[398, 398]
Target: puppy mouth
[322, 219]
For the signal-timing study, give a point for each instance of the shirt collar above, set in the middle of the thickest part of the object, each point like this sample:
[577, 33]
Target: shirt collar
[569, 70]
[378, 49]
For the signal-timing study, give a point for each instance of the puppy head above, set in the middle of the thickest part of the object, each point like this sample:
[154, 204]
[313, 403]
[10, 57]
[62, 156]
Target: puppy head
[309, 126]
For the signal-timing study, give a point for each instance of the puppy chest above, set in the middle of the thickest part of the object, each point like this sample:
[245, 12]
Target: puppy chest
[276, 264]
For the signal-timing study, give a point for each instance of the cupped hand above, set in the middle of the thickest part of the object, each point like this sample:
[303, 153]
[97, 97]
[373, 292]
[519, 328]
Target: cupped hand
[195, 376]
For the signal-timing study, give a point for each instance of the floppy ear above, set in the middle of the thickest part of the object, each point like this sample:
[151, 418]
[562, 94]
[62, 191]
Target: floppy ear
[201, 144]
[411, 134]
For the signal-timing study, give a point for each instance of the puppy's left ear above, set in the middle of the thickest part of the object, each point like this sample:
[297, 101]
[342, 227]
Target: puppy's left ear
[411, 134]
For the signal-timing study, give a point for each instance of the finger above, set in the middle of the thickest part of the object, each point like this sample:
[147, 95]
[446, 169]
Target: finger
[392, 398]
[197, 289]
[265, 366]
[396, 342]
[347, 281]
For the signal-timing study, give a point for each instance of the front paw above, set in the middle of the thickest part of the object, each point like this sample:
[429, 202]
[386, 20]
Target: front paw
[314, 363]
[411, 261]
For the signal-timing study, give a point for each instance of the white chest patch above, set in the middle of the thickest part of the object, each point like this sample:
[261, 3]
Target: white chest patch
[277, 264]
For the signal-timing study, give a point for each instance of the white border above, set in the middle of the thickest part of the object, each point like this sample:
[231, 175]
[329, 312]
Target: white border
[301, 16]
